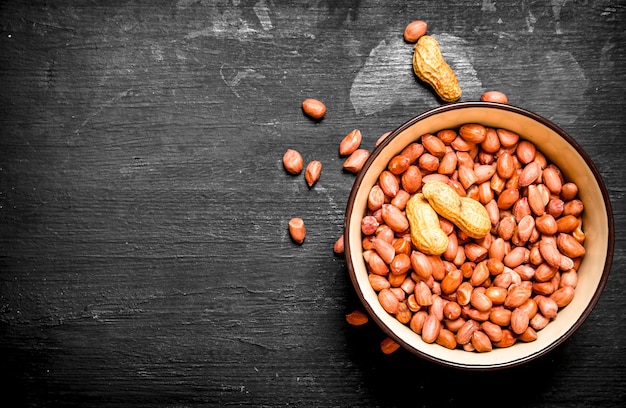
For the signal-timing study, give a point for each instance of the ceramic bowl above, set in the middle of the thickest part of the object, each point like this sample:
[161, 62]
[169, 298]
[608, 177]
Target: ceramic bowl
[560, 149]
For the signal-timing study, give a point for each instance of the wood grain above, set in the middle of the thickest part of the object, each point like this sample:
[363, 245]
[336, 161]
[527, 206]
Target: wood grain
[144, 253]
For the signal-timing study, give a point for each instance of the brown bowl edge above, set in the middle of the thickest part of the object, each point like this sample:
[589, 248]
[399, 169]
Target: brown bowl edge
[560, 132]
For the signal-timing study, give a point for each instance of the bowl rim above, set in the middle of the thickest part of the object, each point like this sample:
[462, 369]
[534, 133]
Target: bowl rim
[542, 120]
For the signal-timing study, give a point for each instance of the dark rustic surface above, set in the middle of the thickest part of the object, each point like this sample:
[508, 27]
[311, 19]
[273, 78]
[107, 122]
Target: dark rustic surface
[144, 254]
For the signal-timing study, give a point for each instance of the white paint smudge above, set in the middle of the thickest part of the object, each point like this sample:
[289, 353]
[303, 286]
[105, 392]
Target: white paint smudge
[233, 78]
[232, 22]
[556, 9]
[180, 56]
[262, 12]
[530, 21]
[607, 12]
[205, 32]
[558, 66]
[224, 28]
[157, 52]
[138, 165]
[336, 209]
[387, 67]
[185, 3]
[387, 76]
[488, 5]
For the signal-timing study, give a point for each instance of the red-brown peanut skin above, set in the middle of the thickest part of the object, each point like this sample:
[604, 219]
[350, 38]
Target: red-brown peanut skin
[378, 282]
[388, 301]
[357, 318]
[369, 224]
[464, 334]
[492, 330]
[399, 164]
[350, 142]
[417, 321]
[473, 133]
[563, 296]
[314, 108]
[354, 163]
[494, 96]
[487, 292]
[411, 180]
[394, 218]
[338, 246]
[415, 30]
[388, 345]
[508, 339]
[446, 339]
[293, 162]
[313, 172]
[389, 183]
[500, 316]
[481, 342]
[431, 329]
[297, 230]
[552, 179]
[507, 137]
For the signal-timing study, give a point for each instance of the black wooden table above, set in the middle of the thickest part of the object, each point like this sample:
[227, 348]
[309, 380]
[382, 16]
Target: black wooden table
[144, 253]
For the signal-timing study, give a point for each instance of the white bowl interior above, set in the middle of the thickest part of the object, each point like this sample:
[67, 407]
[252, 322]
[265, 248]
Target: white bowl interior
[595, 225]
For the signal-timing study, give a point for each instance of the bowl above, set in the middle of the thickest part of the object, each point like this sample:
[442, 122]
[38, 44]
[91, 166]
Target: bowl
[560, 149]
